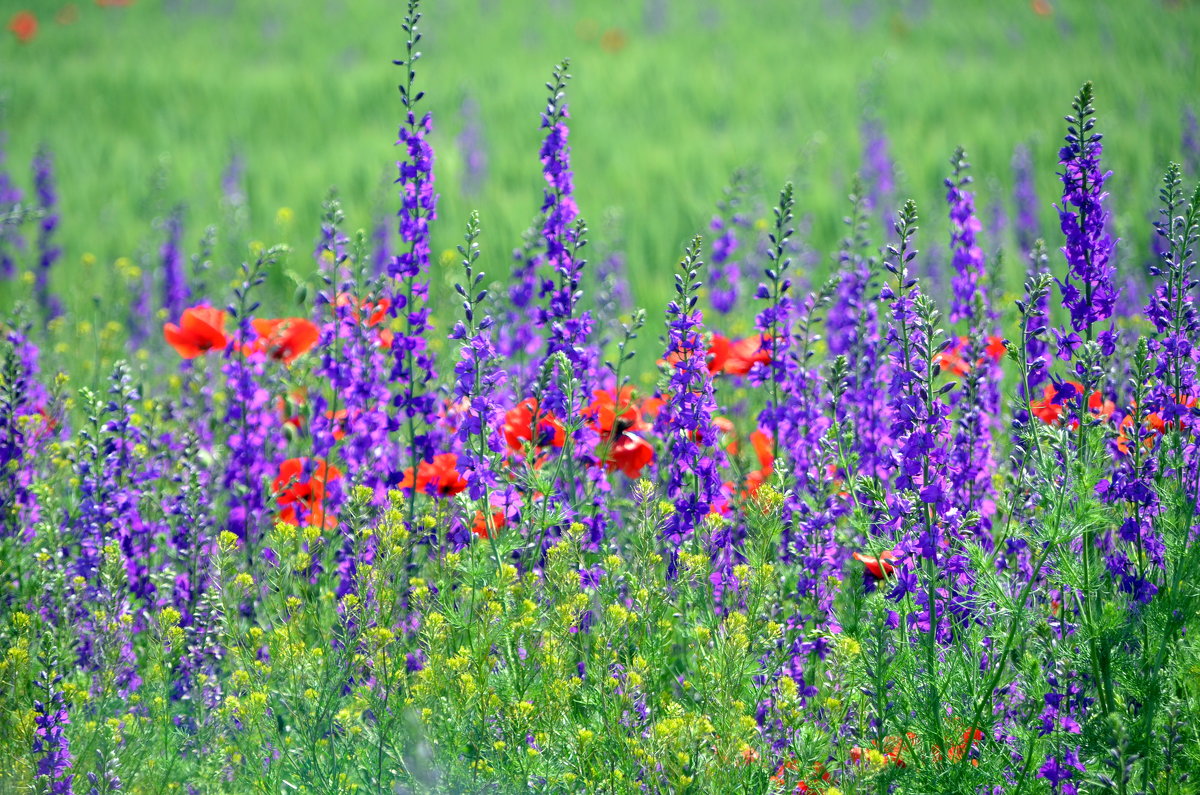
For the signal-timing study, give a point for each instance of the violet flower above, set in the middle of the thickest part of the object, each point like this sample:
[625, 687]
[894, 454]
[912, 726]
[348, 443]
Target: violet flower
[774, 321]
[1189, 142]
[50, 741]
[10, 196]
[413, 368]
[175, 286]
[966, 285]
[1025, 200]
[48, 252]
[1088, 291]
[25, 425]
[470, 145]
[725, 279]
[564, 234]
[685, 420]
[878, 170]
[478, 381]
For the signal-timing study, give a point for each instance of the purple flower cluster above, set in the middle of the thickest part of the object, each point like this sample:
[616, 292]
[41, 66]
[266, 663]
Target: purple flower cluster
[1025, 199]
[413, 367]
[48, 251]
[966, 285]
[564, 235]
[1089, 290]
[478, 382]
[686, 418]
[11, 240]
[49, 735]
[175, 287]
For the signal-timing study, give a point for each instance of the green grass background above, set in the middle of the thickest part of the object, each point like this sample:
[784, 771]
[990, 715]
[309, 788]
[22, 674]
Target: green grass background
[142, 107]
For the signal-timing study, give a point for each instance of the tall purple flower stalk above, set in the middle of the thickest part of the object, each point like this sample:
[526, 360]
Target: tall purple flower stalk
[774, 321]
[725, 272]
[1172, 311]
[1088, 291]
[48, 252]
[978, 402]
[413, 368]
[518, 340]
[1025, 199]
[10, 196]
[852, 329]
[1189, 143]
[686, 419]
[966, 285]
[50, 741]
[175, 285]
[471, 147]
[478, 381]
[250, 418]
[878, 169]
[569, 328]
[24, 427]
[919, 416]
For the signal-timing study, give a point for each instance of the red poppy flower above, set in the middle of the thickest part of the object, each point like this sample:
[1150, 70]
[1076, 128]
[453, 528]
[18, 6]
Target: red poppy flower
[519, 427]
[480, 527]
[879, 567]
[284, 339]
[439, 478]
[952, 359]
[956, 751]
[1160, 425]
[761, 441]
[718, 353]
[337, 421]
[24, 26]
[619, 422]
[292, 493]
[201, 329]
[375, 311]
[1049, 409]
[745, 353]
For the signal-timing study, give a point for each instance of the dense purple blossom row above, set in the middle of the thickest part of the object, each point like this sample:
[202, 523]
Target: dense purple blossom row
[892, 446]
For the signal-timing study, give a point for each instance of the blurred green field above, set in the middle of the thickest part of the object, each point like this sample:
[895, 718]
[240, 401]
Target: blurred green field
[143, 106]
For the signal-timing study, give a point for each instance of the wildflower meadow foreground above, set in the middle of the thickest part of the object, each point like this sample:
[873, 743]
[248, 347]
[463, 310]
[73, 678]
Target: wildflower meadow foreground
[877, 542]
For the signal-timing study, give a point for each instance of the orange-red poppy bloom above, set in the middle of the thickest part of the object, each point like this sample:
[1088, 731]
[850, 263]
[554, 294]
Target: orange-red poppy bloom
[439, 477]
[292, 493]
[1154, 422]
[519, 429]
[374, 311]
[879, 567]
[763, 446]
[620, 424]
[201, 329]
[745, 353]
[284, 339]
[952, 359]
[996, 349]
[480, 526]
[24, 26]
[1050, 407]
[718, 353]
